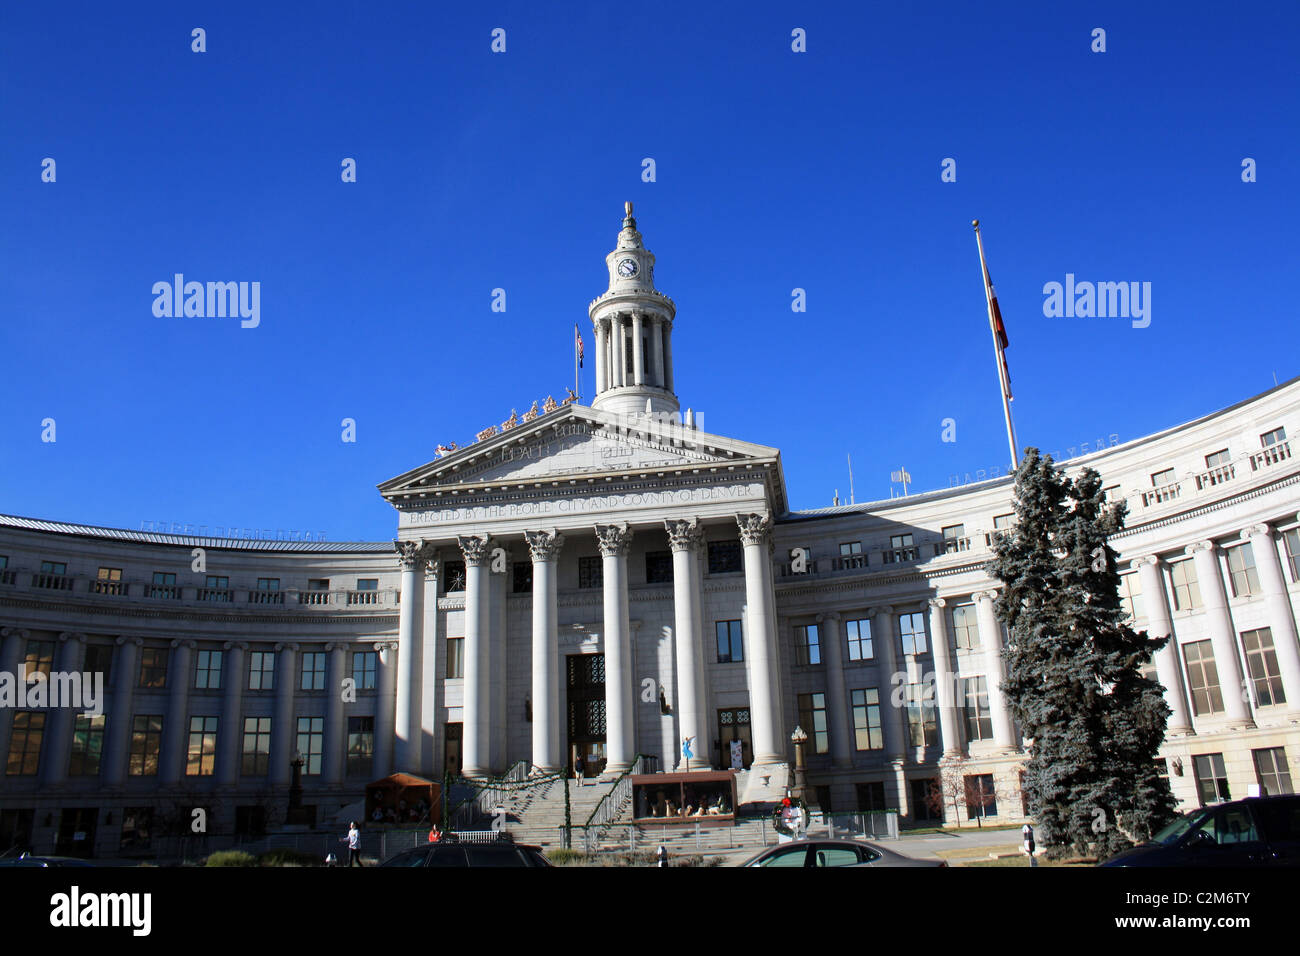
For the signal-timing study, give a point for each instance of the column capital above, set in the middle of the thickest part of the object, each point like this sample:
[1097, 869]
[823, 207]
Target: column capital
[989, 594]
[184, 643]
[544, 545]
[937, 603]
[1257, 530]
[883, 609]
[1151, 559]
[475, 547]
[828, 617]
[122, 641]
[433, 564]
[286, 646]
[1206, 545]
[385, 645]
[413, 555]
[614, 539]
[235, 645]
[16, 632]
[337, 646]
[684, 534]
[75, 637]
[754, 528]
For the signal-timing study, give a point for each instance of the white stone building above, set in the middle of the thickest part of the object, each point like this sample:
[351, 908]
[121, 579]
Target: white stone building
[605, 581]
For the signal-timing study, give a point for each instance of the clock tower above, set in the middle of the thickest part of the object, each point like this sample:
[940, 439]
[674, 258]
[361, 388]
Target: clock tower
[634, 325]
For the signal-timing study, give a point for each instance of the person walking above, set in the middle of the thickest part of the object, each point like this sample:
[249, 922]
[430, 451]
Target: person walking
[1027, 835]
[577, 769]
[661, 856]
[354, 844]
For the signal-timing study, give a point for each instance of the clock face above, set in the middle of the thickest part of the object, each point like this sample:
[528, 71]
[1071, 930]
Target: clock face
[627, 268]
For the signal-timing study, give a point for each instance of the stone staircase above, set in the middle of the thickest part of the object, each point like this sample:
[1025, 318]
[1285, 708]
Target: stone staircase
[535, 814]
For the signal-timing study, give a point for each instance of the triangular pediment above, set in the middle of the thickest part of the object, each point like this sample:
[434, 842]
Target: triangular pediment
[576, 442]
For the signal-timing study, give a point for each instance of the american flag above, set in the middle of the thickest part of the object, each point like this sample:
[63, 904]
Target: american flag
[577, 336]
[1000, 330]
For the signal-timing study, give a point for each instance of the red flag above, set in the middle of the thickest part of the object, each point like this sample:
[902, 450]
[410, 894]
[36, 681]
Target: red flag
[997, 313]
[578, 336]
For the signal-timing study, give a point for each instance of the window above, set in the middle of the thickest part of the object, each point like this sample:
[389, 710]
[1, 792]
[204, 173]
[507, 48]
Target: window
[207, 670]
[1211, 778]
[981, 797]
[361, 746]
[1272, 772]
[1112, 495]
[859, 632]
[255, 760]
[108, 581]
[1261, 663]
[146, 742]
[99, 660]
[153, 667]
[366, 592]
[318, 584]
[871, 797]
[313, 670]
[921, 727]
[812, 719]
[851, 555]
[1161, 478]
[267, 592]
[867, 732]
[216, 588]
[659, 567]
[897, 541]
[965, 626]
[268, 584]
[363, 669]
[725, 556]
[1203, 678]
[1241, 570]
[1130, 595]
[311, 743]
[911, 629]
[979, 720]
[850, 548]
[591, 571]
[900, 549]
[521, 577]
[731, 642]
[954, 539]
[202, 760]
[1273, 437]
[1292, 540]
[367, 584]
[453, 576]
[40, 657]
[1218, 459]
[87, 745]
[164, 586]
[1187, 591]
[455, 658]
[807, 645]
[25, 737]
[261, 670]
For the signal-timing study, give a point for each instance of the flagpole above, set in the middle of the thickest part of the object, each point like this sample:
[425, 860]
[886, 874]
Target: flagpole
[577, 385]
[997, 350]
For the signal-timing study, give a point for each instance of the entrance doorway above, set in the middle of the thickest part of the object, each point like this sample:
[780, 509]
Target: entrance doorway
[733, 726]
[77, 832]
[585, 682]
[451, 739]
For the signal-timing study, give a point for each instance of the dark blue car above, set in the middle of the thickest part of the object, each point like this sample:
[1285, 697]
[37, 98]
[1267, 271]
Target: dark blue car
[1257, 831]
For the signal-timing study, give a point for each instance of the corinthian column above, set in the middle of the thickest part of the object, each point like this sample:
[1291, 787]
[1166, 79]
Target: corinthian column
[1222, 638]
[544, 547]
[763, 664]
[1281, 618]
[601, 363]
[412, 556]
[1169, 673]
[620, 738]
[685, 537]
[638, 357]
[176, 731]
[474, 742]
[1004, 735]
[384, 706]
[944, 682]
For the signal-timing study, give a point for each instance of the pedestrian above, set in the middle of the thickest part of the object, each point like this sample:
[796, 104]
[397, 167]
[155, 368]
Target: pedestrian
[354, 844]
[435, 834]
[1027, 834]
[661, 855]
[577, 769]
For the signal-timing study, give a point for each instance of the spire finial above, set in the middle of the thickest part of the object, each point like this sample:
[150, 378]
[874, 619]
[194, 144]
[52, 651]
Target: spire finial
[627, 210]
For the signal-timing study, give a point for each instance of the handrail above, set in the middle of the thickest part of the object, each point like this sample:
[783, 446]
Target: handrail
[611, 803]
[489, 793]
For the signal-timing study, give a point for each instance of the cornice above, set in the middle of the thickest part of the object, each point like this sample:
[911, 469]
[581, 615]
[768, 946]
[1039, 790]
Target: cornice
[211, 617]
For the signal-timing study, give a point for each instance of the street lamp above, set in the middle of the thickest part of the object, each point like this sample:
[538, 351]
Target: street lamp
[799, 738]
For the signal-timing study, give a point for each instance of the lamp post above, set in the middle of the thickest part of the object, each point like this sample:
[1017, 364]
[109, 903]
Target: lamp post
[294, 814]
[800, 781]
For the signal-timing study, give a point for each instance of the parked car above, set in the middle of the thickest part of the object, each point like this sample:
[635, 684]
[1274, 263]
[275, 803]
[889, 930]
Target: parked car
[470, 854]
[44, 861]
[1256, 831]
[834, 853]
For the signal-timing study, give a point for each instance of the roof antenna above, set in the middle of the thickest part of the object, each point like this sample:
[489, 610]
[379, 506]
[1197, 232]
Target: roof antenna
[850, 458]
[836, 499]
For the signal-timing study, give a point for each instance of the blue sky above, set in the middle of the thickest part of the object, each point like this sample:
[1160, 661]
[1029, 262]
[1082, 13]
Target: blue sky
[775, 170]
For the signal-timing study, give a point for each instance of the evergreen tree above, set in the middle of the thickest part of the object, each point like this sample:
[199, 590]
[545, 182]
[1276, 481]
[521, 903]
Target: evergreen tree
[1074, 668]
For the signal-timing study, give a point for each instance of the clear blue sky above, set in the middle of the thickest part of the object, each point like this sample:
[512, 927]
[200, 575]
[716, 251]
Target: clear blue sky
[775, 170]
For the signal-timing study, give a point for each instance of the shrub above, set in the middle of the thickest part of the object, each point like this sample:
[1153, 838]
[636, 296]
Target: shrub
[286, 856]
[231, 858]
[562, 857]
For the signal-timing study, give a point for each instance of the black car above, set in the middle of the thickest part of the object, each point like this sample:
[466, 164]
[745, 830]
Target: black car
[470, 854]
[1257, 831]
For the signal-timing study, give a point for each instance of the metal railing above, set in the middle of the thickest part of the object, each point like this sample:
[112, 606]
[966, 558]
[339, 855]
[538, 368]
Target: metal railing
[611, 804]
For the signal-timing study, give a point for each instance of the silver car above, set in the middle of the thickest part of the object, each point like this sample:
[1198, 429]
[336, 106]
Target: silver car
[834, 853]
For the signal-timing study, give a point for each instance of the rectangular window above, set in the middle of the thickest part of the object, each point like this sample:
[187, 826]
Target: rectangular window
[363, 669]
[922, 730]
[59, 568]
[255, 760]
[318, 584]
[859, 633]
[453, 576]
[216, 588]
[1272, 772]
[153, 667]
[268, 584]
[867, 731]
[1272, 438]
[108, 581]
[1187, 591]
[725, 556]
[40, 657]
[87, 745]
[455, 658]
[954, 539]
[146, 743]
[207, 670]
[367, 584]
[807, 644]
[591, 571]
[850, 548]
[871, 797]
[1130, 595]
[979, 719]
[1218, 459]
[261, 670]
[659, 567]
[1241, 570]
[521, 577]
[1261, 662]
[812, 718]
[981, 797]
[1203, 678]
[1292, 540]
[164, 586]
[911, 630]
[202, 759]
[1161, 478]
[266, 592]
[311, 744]
[25, 736]
[897, 541]
[965, 626]
[313, 670]
[1211, 778]
[731, 642]
[361, 746]
[851, 556]
[99, 660]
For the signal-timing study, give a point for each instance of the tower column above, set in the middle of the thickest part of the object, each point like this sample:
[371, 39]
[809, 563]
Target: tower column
[1159, 625]
[684, 538]
[1222, 638]
[668, 356]
[600, 356]
[474, 733]
[1281, 618]
[657, 351]
[945, 687]
[620, 736]
[544, 547]
[763, 665]
[638, 358]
